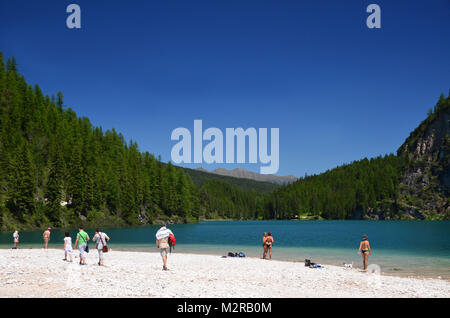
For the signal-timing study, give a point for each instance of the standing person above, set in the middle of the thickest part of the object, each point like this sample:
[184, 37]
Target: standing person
[364, 248]
[264, 245]
[100, 238]
[67, 247]
[269, 241]
[16, 239]
[82, 239]
[162, 242]
[46, 237]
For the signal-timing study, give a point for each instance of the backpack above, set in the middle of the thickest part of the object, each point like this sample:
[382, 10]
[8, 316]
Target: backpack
[172, 242]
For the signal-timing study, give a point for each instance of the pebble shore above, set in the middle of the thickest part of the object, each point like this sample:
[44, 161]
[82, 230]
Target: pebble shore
[43, 273]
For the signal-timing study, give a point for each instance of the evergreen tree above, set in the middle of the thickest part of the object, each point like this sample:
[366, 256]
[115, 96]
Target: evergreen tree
[21, 186]
[54, 187]
[76, 187]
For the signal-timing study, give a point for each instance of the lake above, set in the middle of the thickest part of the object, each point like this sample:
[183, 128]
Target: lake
[403, 248]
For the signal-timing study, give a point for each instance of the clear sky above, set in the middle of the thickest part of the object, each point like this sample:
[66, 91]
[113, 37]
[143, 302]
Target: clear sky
[337, 90]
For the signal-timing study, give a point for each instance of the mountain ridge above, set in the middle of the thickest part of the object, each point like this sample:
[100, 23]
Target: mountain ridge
[246, 174]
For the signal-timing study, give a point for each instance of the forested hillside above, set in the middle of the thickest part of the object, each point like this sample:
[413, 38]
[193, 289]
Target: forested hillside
[57, 169]
[340, 193]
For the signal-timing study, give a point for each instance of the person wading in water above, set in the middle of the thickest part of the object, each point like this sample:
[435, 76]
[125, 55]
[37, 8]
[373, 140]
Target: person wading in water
[268, 246]
[364, 249]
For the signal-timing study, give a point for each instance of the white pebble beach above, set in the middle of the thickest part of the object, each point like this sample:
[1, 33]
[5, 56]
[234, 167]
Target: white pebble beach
[43, 273]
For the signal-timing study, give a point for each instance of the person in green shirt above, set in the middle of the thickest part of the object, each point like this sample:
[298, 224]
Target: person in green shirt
[81, 242]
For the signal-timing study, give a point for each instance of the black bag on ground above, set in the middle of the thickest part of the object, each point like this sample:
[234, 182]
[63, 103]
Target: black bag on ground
[86, 249]
[307, 262]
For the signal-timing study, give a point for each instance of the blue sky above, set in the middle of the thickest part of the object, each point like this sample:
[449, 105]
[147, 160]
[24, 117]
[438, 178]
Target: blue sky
[337, 90]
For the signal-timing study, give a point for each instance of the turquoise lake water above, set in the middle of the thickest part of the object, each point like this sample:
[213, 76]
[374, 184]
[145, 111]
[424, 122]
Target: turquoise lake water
[403, 248]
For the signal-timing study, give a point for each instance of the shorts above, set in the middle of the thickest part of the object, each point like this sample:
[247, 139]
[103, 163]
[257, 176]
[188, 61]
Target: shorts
[163, 251]
[100, 253]
[81, 248]
[68, 251]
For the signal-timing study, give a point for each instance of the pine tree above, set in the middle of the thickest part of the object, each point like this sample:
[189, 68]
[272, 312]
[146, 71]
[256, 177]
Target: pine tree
[76, 182]
[22, 185]
[59, 99]
[54, 187]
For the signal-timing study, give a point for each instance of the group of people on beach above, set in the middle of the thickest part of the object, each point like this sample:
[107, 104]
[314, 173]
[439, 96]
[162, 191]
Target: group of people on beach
[364, 248]
[81, 242]
[46, 237]
[163, 237]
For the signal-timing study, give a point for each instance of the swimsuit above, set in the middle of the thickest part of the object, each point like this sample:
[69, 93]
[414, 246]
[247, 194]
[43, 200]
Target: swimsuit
[363, 250]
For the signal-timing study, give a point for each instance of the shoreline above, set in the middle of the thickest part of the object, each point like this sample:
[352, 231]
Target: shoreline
[42, 273]
[12, 227]
[398, 274]
[150, 249]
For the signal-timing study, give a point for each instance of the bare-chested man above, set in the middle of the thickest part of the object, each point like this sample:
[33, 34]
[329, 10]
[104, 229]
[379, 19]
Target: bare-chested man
[46, 237]
[264, 245]
[364, 248]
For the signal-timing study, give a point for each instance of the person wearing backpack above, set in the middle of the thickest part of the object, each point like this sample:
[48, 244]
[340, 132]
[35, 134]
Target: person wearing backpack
[82, 240]
[101, 238]
[162, 242]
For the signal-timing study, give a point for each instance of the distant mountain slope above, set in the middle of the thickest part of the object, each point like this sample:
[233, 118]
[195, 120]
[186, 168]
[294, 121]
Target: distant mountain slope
[202, 176]
[245, 174]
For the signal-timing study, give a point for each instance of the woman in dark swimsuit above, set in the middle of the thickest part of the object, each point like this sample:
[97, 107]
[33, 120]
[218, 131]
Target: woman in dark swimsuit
[268, 242]
[364, 248]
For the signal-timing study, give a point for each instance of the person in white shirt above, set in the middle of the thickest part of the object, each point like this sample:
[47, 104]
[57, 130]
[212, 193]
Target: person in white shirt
[100, 238]
[162, 242]
[67, 247]
[16, 239]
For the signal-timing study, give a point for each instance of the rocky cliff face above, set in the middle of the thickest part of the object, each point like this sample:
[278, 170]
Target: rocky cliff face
[425, 183]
